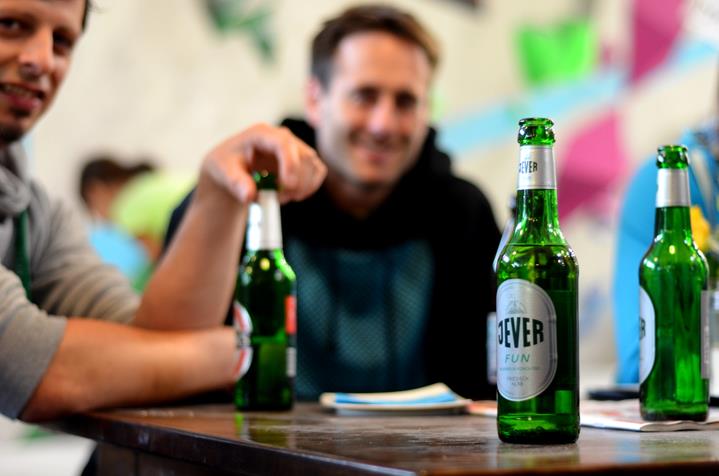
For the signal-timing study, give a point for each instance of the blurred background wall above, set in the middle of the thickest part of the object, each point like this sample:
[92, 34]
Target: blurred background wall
[166, 79]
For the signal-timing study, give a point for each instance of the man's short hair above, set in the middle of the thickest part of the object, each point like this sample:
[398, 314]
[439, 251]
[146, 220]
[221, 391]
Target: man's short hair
[86, 12]
[367, 18]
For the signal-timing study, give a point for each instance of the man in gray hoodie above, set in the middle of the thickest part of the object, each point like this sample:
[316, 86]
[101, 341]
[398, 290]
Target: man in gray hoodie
[73, 336]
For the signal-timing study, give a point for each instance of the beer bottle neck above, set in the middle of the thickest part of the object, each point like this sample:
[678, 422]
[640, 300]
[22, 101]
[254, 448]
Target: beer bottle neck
[264, 228]
[672, 201]
[673, 219]
[537, 213]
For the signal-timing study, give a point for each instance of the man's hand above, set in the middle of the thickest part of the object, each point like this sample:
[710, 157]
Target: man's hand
[228, 167]
[193, 283]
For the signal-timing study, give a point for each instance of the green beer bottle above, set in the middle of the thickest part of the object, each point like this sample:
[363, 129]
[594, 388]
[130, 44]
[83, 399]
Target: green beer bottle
[537, 274]
[673, 304]
[265, 308]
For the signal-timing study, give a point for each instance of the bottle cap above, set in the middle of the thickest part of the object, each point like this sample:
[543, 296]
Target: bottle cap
[535, 131]
[672, 157]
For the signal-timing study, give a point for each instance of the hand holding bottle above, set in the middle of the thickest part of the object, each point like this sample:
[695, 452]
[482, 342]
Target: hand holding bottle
[201, 263]
[227, 169]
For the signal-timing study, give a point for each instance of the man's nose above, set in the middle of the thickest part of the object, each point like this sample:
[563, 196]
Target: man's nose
[37, 57]
[384, 116]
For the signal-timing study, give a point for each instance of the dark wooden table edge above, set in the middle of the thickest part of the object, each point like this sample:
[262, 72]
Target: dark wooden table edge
[248, 456]
[255, 458]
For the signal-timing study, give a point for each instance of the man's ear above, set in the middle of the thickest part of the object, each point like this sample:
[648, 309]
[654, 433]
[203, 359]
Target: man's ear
[313, 94]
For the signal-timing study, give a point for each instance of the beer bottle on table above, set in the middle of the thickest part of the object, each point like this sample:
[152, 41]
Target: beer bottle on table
[265, 308]
[673, 304]
[537, 275]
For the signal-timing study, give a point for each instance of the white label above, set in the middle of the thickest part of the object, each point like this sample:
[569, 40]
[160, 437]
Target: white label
[672, 188]
[291, 362]
[243, 329]
[647, 335]
[492, 347]
[526, 340]
[536, 168]
[706, 335]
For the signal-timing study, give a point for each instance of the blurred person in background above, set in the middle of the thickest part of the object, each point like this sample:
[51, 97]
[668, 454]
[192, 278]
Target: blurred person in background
[73, 334]
[394, 252]
[102, 177]
[130, 207]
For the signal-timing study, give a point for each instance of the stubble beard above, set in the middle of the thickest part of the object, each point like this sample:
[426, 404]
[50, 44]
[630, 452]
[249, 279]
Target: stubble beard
[13, 132]
[10, 133]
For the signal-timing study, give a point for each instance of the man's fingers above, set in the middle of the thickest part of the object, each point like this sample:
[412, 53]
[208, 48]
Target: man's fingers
[300, 171]
[311, 173]
[290, 164]
[262, 147]
[231, 176]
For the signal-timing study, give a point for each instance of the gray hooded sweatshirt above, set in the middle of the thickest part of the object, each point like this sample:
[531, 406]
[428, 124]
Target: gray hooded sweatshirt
[67, 279]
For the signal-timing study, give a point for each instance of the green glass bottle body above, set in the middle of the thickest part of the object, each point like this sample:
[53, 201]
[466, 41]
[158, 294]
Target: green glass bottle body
[265, 309]
[537, 296]
[673, 304]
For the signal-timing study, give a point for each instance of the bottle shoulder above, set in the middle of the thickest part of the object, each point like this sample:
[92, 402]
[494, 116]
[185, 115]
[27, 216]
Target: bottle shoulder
[274, 255]
[266, 263]
[554, 249]
[673, 249]
[518, 255]
[536, 233]
[675, 260]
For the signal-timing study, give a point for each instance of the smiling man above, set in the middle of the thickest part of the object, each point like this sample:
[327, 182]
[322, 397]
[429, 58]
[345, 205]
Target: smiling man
[33, 70]
[73, 335]
[368, 103]
[394, 253]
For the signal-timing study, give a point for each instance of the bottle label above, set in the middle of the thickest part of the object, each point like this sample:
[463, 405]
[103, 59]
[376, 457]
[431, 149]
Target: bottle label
[291, 362]
[492, 347]
[647, 335]
[291, 315]
[291, 329]
[243, 330]
[264, 228]
[706, 335]
[526, 340]
[673, 188]
[536, 168]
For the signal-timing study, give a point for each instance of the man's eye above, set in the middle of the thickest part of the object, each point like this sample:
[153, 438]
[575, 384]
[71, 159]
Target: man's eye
[406, 102]
[11, 24]
[63, 43]
[364, 96]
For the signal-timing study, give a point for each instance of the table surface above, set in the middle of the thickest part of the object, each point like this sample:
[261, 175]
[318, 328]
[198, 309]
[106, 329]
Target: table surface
[310, 440]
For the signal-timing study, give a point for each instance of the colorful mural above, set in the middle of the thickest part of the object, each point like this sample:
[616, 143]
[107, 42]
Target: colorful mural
[252, 18]
[563, 70]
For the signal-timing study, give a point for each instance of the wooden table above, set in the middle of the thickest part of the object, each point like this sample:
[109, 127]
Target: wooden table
[213, 439]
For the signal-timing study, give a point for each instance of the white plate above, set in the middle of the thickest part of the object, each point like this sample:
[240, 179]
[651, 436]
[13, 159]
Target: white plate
[416, 401]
